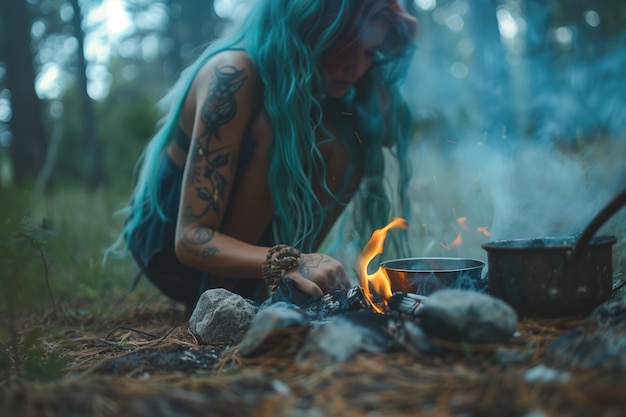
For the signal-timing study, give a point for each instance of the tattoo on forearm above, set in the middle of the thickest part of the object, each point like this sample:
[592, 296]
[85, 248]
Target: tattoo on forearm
[199, 251]
[200, 236]
[218, 109]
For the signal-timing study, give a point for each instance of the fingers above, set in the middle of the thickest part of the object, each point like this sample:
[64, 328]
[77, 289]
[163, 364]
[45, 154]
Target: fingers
[319, 274]
[345, 281]
[337, 281]
[342, 279]
[308, 287]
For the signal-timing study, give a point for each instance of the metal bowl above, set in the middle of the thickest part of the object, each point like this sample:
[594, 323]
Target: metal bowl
[425, 275]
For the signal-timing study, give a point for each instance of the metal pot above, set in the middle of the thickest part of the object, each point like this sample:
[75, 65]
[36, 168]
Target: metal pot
[426, 275]
[538, 278]
[555, 277]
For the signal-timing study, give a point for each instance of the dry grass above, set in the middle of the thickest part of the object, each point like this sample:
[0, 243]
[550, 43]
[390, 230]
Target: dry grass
[141, 359]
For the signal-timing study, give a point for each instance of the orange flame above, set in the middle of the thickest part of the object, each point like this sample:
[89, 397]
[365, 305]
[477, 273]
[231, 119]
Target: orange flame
[483, 230]
[379, 279]
[455, 243]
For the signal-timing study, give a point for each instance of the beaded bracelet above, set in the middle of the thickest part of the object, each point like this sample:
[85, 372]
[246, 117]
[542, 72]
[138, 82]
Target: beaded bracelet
[280, 259]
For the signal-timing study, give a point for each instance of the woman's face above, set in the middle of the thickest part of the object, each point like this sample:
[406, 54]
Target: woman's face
[347, 67]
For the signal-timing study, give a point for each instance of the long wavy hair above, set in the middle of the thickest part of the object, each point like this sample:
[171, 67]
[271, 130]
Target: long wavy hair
[288, 40]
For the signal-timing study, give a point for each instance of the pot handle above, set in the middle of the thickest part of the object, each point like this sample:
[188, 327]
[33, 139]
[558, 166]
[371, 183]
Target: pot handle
[582, 243]
[605, 214]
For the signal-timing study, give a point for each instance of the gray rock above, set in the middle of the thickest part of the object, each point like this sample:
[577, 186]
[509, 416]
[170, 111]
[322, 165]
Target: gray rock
[274, 327]
[460, 315]
[541, 373]
[221, 317]
[343, 336]
[613, 310]
[414, 339]
[599, 343]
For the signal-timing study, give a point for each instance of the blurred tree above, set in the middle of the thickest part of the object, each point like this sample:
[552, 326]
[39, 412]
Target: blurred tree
[491, 82]
[190, 25]
[28, 144]
[574, 67]
[194, 24]
[128, 116]
[93, 173]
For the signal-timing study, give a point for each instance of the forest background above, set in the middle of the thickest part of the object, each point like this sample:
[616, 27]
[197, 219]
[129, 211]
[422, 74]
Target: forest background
[519, 110]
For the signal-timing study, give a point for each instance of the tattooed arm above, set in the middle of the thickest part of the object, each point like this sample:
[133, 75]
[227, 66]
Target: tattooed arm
[221, 107]
[218, 111]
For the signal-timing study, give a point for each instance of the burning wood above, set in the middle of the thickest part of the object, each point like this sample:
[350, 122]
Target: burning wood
[321, 308]
[337, 302]
[406, 305]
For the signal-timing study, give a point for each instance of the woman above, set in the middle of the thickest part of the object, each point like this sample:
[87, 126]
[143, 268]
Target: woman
[267, 137]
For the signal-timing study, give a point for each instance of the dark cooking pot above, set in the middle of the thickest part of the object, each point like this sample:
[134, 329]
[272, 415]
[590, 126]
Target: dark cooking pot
[537, 278]
[555, 277]
[426, 275]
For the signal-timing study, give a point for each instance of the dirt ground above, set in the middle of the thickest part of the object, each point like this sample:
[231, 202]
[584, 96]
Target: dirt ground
[141, 360]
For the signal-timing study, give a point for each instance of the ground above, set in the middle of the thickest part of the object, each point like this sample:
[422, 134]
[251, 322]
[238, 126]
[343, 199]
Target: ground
[140, 359]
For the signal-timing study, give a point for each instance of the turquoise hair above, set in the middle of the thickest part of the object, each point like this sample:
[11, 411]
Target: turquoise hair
[286, 40]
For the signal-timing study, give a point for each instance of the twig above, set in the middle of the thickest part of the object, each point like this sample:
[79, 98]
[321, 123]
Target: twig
[132, 288]
[14, 335]
[150, 335]
[117, 344]
[165, 335]
[45, 274]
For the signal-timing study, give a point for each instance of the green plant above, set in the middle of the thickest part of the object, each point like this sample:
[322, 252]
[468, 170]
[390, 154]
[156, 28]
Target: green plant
[27, 359]
[23, 284]
[21, 251]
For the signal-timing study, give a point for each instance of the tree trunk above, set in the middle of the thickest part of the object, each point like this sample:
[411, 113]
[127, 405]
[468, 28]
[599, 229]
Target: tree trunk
[92, 169]
[28, 145]
[492, 83]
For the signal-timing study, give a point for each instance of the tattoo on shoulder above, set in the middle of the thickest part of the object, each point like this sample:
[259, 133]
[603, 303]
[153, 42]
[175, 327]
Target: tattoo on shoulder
[220, 106]
[219, 109]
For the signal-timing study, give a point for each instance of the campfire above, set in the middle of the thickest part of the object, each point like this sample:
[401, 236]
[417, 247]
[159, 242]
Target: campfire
[413, 279]
[378, 280]
[412, 302]
[387, 309]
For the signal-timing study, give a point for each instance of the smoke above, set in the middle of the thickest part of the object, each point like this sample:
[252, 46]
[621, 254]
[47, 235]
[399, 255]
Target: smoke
[527, 141]
[485, 193]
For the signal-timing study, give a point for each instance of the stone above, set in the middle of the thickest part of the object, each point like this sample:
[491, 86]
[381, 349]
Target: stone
[276, 326]
[613, 310]
[598, 344]
[541, 373]
[468, 316]
[415, 340]
[345, 335]
[221, 317]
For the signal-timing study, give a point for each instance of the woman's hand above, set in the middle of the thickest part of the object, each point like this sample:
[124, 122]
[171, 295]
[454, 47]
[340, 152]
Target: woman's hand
[318, 274]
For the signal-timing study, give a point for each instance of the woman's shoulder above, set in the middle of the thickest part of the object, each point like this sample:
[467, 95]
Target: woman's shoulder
[232, 62]
[230, 72]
